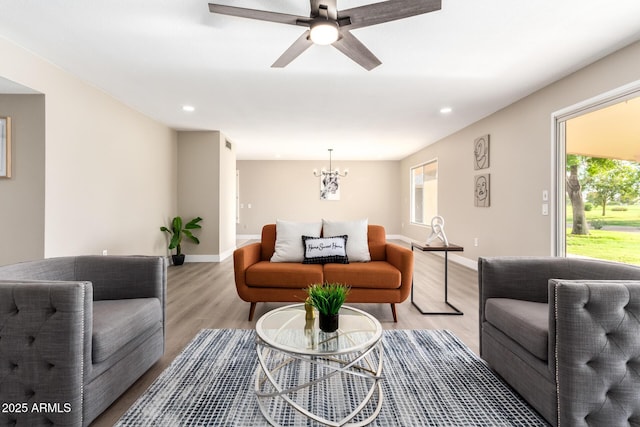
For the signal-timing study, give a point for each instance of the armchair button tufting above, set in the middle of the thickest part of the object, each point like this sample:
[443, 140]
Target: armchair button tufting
[31, 339]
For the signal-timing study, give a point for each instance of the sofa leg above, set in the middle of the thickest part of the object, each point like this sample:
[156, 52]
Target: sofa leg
[252, 311]
[395, 315]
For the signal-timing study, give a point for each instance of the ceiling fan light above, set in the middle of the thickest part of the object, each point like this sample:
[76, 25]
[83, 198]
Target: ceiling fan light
[324, 32]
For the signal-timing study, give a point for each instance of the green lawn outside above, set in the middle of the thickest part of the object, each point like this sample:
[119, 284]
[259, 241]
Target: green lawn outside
[610, 245]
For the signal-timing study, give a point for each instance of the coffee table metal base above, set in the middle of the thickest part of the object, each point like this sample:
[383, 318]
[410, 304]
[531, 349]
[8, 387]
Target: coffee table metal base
[291, 381]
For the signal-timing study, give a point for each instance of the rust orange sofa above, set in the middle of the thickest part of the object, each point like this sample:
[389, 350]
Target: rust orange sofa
[385, 279]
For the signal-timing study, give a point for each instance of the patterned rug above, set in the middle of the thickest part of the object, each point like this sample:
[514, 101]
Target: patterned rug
[430, 379]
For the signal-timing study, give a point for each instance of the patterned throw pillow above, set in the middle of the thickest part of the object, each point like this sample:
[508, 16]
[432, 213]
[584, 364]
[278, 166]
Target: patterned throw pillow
[325, 250]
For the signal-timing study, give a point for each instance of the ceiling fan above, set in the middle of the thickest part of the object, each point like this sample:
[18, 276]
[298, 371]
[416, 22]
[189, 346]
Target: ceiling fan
[328, 25]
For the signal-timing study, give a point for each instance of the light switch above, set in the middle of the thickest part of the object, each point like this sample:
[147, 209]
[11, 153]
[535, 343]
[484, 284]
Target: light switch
[545, 195]
[545, 209]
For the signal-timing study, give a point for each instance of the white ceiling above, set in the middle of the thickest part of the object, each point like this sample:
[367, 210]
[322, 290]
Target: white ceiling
[473, 56]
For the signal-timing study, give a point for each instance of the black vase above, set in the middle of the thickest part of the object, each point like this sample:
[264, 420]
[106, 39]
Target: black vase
[178, 259]
[328, 322]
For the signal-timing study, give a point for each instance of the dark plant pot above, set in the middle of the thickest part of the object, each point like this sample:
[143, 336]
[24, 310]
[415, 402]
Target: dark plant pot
[178, 259]
[329, 322]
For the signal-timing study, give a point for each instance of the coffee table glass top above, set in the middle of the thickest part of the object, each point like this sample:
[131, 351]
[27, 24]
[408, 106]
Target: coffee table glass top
[287, 329]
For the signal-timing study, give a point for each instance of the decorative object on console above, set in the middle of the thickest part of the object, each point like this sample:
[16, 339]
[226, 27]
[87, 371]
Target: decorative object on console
[5, 147]
[481, 191]
[327, 298]
[481, 153]
[177, 232]
[437, 231]
[330, 181]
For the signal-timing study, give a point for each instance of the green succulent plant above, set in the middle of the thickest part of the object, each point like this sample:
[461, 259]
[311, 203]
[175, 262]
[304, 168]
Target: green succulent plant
[327, 298]
[177, 232]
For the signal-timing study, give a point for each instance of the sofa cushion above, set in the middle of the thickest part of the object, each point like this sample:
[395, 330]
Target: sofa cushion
[525, 322]
[117, 322]
[288, 247]
[374, 274]
[325, 250]
[283, 274]
[358, 246]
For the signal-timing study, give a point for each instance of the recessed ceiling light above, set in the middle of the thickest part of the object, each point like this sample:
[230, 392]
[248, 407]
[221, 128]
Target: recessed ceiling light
[188, 108]
[446, 110]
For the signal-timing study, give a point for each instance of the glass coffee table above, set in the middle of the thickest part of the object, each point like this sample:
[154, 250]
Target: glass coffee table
[307, 374]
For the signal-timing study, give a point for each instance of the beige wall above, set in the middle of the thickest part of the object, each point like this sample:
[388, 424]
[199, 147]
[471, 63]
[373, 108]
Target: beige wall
[206, 188]
[520, 169]
[227, 199]
[22, 196]
[288, 190]
[111, 172]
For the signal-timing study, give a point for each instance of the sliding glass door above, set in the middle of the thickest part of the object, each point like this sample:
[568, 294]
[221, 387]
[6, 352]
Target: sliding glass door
[597, 155]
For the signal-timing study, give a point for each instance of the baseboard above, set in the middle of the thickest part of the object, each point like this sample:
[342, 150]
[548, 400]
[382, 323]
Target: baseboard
[209, 258]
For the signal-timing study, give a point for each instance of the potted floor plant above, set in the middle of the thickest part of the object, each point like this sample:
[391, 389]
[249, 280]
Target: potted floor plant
[327, 298]
[177, 232]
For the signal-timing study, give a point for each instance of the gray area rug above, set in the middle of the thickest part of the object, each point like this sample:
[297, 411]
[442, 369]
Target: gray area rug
[430, 379]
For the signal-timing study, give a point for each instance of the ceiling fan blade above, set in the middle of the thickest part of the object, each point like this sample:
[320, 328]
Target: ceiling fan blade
[354, 49]
[261, 15]
[298, 46]
[386, 11]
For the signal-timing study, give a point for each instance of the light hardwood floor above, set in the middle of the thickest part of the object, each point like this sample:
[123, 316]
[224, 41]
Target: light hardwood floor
[203, 295]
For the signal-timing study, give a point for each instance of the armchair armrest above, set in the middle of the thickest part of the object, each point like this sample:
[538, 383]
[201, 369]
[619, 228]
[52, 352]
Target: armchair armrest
[402, 259]
[45, 335]
[123, 277]
[595, 331]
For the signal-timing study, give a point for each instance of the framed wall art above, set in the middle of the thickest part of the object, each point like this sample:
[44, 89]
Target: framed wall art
[5, 147]
[481, 152]
[330, 187]
[482, 191]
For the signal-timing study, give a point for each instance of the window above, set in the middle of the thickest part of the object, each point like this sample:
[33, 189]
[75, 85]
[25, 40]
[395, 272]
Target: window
[424, 192]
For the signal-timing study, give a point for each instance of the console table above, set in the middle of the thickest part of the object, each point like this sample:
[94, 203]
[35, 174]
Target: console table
[446, 250]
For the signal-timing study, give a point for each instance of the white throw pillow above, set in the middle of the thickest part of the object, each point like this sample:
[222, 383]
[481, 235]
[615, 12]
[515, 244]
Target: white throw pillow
[358, 243]
[289, 247]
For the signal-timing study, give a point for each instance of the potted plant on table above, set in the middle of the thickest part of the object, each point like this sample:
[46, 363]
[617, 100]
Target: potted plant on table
[327, 298]
[177, 232]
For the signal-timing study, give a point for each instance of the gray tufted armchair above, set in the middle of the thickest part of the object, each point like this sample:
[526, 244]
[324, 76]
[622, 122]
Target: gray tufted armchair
[75, 333]
[565, 334]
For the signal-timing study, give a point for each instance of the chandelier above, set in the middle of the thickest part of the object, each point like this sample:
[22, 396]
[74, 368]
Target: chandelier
[331, 173]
